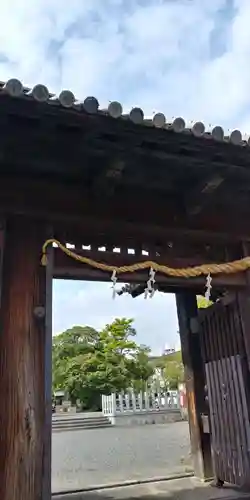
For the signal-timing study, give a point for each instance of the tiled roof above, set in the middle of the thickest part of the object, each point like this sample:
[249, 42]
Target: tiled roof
[66, 99]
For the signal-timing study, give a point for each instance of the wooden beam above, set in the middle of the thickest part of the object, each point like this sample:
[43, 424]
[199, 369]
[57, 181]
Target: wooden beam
[105, 182]
[141, 232]
[24, 432]
[71, 207]
[195, 383]
[135, 290]
[187, 146]
[123, 258]
[73, 127]
[196, 284]
[203, 194]
[66, 267]
[77, 271]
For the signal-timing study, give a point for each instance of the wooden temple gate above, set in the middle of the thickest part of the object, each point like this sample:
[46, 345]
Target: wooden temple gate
[98, 181]
[224, 350]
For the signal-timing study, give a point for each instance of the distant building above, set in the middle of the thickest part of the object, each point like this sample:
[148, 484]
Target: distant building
[168, 350]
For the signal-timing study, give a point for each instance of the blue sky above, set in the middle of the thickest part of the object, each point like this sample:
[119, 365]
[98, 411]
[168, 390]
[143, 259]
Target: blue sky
[185, 58]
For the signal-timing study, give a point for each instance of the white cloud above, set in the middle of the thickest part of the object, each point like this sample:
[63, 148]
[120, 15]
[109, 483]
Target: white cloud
[92, 304]
[182, 57]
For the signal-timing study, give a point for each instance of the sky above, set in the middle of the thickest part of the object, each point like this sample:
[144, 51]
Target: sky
[186, 58]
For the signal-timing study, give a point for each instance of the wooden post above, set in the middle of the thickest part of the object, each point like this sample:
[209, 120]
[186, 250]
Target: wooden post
[244, 303]
[25, 371]
[2, 226]
[195, 383]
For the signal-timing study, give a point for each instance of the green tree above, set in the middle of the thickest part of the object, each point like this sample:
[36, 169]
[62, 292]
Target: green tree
[140, 368]
[126, 363]
[171, 367]
[173, 374]
[69, 344]
[87, 363]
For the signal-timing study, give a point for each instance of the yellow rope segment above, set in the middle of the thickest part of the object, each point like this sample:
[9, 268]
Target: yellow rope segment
[188, 272]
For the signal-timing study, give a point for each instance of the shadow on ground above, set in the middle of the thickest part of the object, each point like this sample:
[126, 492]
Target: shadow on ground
[177, 489]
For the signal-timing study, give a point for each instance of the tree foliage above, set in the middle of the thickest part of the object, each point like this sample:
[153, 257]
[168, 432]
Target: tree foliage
[202, 302]
[173, 374]
[172, 369]
[87, 363]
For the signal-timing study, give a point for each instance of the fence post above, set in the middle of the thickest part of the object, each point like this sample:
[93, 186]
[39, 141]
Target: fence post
[172, 400]
[121, 402]
[113, 404]
[166, 400]
[133, 397]
[140, 401]
[146, 399]
[178, 400]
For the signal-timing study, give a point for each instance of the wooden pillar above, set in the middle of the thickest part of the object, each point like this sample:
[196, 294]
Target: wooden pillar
[195, 383]
[25, 376]
[244, 303]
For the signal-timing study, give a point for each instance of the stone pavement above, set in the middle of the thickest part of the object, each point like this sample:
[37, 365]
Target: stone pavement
[86, 458]
[176, 489]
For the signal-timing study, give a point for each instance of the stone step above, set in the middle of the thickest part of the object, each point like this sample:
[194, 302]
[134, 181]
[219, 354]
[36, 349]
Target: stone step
[76, 421]
[80, 423]
[79, 427]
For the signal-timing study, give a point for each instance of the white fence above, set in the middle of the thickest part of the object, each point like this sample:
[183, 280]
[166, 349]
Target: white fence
[138, 407]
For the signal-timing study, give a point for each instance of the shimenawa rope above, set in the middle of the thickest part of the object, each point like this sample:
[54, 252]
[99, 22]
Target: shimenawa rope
[188, 272]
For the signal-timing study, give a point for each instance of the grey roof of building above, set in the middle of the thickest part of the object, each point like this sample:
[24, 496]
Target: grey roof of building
[66, 99]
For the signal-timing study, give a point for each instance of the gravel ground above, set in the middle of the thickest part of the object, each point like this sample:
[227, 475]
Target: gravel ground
[98, 456]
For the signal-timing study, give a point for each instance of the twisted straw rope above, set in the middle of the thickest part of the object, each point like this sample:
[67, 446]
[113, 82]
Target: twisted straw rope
[188, 272]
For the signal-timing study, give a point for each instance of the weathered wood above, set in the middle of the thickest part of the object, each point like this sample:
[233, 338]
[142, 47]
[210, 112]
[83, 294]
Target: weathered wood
[123, 257]
[170, 251]
[46, 479]
[2, 235]
[73, 202]
[19, 116]
[195, 383]
[172, 284]
[73, 153]
[244, 305]
[202, 194]
[24, 438]
[67, 268]
[135, 290]
[227, 380]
